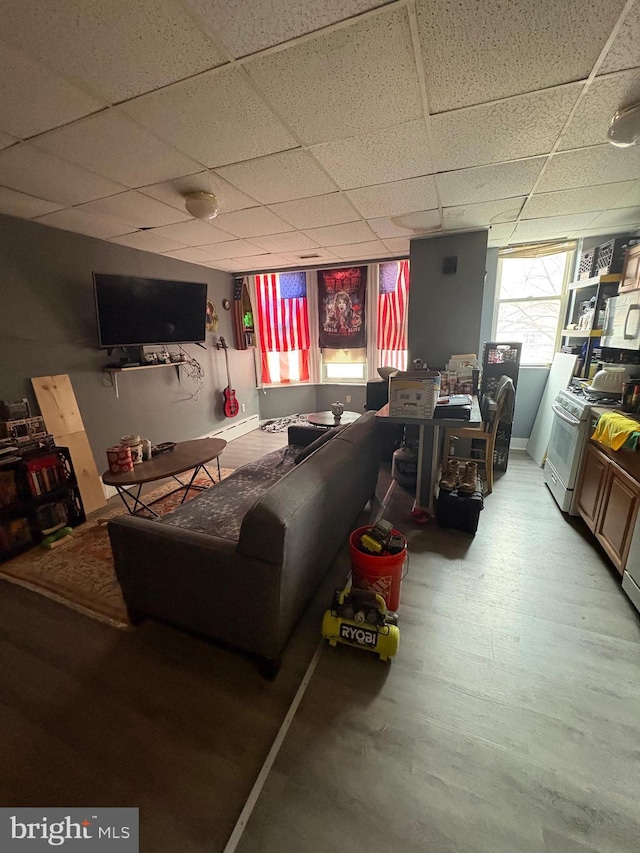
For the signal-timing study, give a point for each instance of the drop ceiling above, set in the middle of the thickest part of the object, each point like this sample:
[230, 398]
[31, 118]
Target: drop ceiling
[331, 131]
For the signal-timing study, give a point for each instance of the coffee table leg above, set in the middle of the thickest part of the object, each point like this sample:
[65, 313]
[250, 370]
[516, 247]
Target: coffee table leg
[136, 502]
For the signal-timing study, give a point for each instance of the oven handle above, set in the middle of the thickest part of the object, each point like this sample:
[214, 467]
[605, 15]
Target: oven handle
[564, 416]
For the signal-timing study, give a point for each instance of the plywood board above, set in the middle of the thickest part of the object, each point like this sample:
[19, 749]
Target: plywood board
[84, 464]
[562, 369]
[58, 404]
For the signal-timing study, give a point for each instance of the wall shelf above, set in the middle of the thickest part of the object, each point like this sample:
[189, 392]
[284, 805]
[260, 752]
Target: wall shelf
[595, 281]
[597, 290]
[114, 371]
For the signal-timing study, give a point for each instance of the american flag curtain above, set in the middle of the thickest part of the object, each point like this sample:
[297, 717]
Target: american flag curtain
[284, 327]
[393, 314]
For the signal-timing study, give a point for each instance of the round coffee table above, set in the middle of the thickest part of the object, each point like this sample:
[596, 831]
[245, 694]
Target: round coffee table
[328, 419]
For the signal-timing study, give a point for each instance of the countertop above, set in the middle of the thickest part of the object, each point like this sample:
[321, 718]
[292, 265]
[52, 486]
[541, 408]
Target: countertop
[628, 460]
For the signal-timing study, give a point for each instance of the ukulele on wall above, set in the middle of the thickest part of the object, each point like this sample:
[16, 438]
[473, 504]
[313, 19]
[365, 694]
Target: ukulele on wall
[231, 406]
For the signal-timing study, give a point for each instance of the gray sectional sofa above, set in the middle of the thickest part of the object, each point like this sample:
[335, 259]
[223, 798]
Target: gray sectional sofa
[240, 562]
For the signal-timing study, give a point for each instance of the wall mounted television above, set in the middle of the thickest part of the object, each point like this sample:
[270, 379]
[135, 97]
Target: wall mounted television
[135, 311]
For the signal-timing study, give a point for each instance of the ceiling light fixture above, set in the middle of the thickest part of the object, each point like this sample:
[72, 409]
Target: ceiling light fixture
[624, 128]
[201, 205]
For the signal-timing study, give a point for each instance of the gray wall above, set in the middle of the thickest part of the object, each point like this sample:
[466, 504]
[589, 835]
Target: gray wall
[445, 310]
[303, 399]
[48, 326]
[488, 299]
[328, 394]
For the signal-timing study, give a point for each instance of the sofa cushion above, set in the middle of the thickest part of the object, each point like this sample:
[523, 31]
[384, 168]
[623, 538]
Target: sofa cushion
[326, 436]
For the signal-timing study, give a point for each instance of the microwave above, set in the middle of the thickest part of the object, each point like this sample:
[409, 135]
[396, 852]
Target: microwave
[621, 327]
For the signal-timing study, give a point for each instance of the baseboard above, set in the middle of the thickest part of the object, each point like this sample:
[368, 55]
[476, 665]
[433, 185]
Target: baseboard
[234, 429]
[518, 443]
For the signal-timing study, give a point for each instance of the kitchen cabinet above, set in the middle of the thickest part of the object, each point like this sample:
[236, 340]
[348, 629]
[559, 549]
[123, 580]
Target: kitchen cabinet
[608, 501]
[631, 271]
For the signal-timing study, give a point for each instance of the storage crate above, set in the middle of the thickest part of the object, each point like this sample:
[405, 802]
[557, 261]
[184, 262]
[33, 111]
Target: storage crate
[587, 265]
[611, 256]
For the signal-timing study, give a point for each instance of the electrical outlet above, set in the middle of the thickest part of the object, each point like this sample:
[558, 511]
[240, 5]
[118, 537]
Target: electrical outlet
[243, 407]
[348, 398]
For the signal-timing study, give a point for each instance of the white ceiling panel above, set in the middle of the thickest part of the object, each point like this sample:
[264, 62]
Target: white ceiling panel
[119, 48]
[34, 99]
[624, 51]
[29, 170]
[478, 52]
[605, 96]
[486, 183]
[410, 224]
[148, 241]
[84, 222]
[191, 254]
[582, 199]
[173, 192]
[603, 164]
[504, 130]
[272, 22]
[253, 222]
[483, 214]
[339, 235]
[192, 232]
[395, 199]
[499, 235]
[309, 257]
[391, 154]
[110, 144]
[398, 245]
[25, 206]
[332, 209]
[626, 217]
[228, 265]
[217, 118]
[279, 177]
[602, 231]
[264, 262]
[231, 249]
[357, 251]
[6, 140]
[135, 209]
[349, 82]
[289, 241]
[553, 226]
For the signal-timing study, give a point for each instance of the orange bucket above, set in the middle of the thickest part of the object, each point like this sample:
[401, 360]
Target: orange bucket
[381, 573]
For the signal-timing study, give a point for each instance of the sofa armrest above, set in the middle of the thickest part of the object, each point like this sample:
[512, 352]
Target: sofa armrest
[302, 436]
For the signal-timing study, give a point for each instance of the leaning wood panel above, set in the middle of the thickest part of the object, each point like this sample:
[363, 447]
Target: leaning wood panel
[58, 404]
[84, 465]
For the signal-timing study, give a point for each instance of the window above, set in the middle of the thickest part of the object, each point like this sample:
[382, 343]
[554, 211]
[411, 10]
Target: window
[283, 322]
[531, 284]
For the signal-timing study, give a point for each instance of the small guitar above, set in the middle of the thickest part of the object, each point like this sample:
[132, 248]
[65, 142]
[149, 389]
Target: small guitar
[231, 405]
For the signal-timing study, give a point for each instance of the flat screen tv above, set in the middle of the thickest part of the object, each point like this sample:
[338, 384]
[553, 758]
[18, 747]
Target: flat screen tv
[140, 311]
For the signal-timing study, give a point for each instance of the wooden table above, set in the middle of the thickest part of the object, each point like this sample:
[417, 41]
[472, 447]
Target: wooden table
[328, 419]
[184, 456]
[429, 448]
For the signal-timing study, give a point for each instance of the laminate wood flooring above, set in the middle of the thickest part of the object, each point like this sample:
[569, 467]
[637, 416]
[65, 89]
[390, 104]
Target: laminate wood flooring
[508, 723]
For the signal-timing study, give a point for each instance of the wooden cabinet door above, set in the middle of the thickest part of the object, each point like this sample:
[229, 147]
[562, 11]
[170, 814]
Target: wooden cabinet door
[619, 507]
[631, 272]
[590, 485]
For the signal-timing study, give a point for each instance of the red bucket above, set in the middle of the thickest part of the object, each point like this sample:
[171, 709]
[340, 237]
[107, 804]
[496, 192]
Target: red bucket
[381, 573]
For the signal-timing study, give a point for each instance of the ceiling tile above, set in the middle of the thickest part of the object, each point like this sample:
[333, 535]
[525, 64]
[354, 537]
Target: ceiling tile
[195, 256]
[360, 251]
[553, 226]
[499, 235]
[290, 241]
[315, 212]
[273, 22]
[217, 118]
[340, 235]
[486, 183]
[398, 245]
[6, 140]
[408, 225]
[390, 154]
[34, 99]
[119, 48]
[25, 206]
[148, 241]
[25, 168]
[135, 209]
[483, 214]
[84, 222]
[264, 262]
[603, 164]
[253, 222]
[231, 249]
[582, 199]
[477, 52]
[395, 199]
[309, 257]
[504, 130]
[228, 265]
[193, 232]
[279, 177]
[605, 96]
[112, 145]
[172, 192]
[623, 53]
[625, 217]
[603, 231]
[351, 81]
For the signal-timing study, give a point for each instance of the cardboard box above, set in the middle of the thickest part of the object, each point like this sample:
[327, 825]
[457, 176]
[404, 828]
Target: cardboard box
[414, 394]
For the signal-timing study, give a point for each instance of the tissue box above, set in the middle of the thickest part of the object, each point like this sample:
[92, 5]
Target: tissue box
[414, 394]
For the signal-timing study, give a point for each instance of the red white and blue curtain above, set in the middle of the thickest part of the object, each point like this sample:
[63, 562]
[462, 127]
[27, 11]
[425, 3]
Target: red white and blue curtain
[283, 319]
[393, 314]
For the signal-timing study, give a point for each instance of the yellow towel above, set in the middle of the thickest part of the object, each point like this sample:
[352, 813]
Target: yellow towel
[613, 429]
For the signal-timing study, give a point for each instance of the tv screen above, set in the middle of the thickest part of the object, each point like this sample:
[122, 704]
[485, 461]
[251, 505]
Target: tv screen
[139, 311]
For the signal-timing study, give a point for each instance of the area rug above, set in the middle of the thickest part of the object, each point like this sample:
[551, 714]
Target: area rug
[282, 424]
[80, 572]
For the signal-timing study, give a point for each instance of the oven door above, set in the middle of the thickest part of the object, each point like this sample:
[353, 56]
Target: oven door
[566, 444]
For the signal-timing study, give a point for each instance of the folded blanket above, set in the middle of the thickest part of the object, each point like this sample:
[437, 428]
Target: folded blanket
[615, 430]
